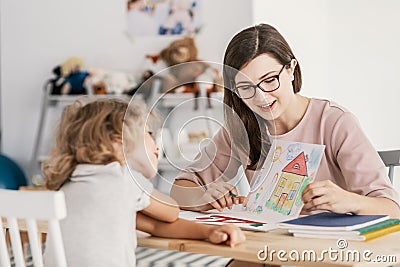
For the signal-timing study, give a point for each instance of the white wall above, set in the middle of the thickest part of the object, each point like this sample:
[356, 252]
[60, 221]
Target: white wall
[38, 35]
[349, 52]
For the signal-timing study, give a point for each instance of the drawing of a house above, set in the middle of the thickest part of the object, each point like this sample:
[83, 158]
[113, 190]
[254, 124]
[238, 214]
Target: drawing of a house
[288, 185]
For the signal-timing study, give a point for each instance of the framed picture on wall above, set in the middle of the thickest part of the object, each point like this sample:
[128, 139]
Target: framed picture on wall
[163, 17]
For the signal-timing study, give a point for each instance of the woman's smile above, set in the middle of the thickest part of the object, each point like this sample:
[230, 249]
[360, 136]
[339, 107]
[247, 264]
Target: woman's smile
[267, 107]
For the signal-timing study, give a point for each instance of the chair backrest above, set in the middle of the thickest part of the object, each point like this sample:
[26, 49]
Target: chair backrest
[29, 207]
[391, 159]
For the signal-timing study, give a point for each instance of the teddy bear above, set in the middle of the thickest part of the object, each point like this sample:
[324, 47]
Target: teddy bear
[192, 77]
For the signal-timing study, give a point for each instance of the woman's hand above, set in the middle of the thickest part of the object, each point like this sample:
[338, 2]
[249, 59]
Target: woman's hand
[325, 195]
[221, 194]
[228, 233]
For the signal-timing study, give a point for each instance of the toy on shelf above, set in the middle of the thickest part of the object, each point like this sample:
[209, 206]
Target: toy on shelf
[187, 74]
[56, 83]
[99, 87]
[118, 82]
[110, 82]
[145, 88]
[75, 77]
[71, 79]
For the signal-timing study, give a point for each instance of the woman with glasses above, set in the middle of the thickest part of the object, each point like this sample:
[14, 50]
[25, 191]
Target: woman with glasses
[262, 102]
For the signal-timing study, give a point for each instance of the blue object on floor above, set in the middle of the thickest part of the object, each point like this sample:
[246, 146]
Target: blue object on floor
[11, 175]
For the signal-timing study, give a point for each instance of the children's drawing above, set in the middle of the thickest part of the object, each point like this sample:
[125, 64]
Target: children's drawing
[259, 180]
[275, 193]
[277, 153]
[162, 17]
[214, 218]
[293, 151]
[288, 185]
[288, 168]
[237, 216]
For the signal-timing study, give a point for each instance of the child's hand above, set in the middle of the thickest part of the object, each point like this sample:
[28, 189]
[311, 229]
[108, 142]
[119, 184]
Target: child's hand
[230, 234]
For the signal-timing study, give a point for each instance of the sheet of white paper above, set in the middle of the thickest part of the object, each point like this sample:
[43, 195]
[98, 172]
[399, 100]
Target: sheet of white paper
[237, 218]
[212, 218]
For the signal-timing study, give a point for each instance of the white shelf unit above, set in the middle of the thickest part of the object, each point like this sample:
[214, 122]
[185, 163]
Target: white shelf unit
[178, 114]
[178, 119]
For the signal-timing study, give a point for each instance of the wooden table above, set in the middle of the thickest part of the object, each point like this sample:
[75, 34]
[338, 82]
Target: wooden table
[279, 240]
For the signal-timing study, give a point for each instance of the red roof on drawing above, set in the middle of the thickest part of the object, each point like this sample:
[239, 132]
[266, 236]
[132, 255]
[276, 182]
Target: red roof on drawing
[297, 166]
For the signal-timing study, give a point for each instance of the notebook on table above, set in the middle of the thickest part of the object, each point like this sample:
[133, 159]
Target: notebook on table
[355, 232]
[329, 221]
[328, 225]
[349, 236]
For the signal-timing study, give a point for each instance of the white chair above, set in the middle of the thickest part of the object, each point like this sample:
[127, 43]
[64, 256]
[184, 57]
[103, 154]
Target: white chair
[31, 206]
[391, 159]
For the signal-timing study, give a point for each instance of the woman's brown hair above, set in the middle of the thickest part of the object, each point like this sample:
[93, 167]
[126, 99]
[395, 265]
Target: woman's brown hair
[244, 47]
[87, 133]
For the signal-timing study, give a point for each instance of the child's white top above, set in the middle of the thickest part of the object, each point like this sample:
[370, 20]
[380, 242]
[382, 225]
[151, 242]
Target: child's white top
[102, 201]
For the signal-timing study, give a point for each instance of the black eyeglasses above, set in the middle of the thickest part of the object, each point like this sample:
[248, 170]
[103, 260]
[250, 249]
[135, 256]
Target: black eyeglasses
[269, 84]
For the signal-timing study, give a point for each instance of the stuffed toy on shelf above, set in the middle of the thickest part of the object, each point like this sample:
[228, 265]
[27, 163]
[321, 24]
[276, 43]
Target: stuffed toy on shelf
[75, 77]
[118, 82]
[71, 79]
[192, 77]
[57, 82]
[110, 82]
[145, 87]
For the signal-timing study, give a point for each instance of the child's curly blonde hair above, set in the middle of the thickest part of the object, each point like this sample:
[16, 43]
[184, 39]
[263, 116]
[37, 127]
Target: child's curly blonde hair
[87, 133]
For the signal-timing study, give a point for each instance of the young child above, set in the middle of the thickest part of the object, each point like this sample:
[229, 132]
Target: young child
[101, 160]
